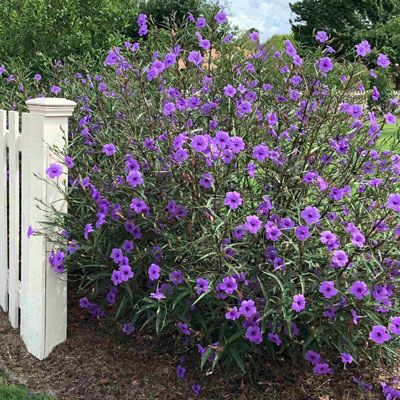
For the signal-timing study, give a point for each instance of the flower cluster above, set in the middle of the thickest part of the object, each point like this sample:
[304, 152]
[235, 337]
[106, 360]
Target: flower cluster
[239, 198]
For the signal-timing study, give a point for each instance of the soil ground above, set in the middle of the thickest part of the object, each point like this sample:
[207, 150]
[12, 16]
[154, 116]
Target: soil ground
[95, 365]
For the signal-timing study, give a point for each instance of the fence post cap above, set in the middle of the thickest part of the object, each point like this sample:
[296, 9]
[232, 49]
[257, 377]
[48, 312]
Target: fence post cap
[51, 106]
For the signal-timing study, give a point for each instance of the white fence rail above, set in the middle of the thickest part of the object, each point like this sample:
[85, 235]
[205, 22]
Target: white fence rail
[30, 292]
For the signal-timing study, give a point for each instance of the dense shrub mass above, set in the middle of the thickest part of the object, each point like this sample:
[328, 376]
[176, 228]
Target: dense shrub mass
[239, 199]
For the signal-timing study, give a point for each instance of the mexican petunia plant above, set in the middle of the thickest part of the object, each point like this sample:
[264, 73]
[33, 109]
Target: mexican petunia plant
[236, 197]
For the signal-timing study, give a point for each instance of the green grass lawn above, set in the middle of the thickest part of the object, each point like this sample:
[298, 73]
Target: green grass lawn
[12, 392]
[389, 135]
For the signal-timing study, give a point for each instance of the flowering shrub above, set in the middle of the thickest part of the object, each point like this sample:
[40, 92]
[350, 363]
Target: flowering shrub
[238, 198]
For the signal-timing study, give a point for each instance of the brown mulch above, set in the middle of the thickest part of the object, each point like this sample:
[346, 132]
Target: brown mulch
[95, 365]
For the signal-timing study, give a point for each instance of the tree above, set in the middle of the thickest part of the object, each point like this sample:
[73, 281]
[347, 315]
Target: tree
[348, 21]
[162, 11]
[60, 28]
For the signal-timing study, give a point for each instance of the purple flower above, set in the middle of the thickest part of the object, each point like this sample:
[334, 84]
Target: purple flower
[363, 48]
[274, 338]
[128, 328]
[201, 22]
[202, 286]
[253, 224]
[247, 308]
[30, 231]
[313, 357]
[394, 202]
[379, 334]
[199, 143]
[196, 389]
[88, 229]
[229, 284]
[383, 60]
[311, 215]
[229, 91]
[302, 233]
[359, 289]
[37, 77]
[244, 107]
[253, 334]
[204, 44]
[183, 328]
[109, 149]
[139, 206]
[69, 162]
[206, 180]
[157, 295]
[321, 36]
[169, 109]
[272, 232]
[327, 288]
[195, 57]
[325, 64]
[221, 17]
[126, 272]
[180, 372]
[176, 277]
[55, 89]
[346, 358]
[260, 152]
[339, 258]
[54, 170]
[84, 302]
[233, 314]
[154, 272]
[299, 303]
[134, 178]
[233, 200]
[390, 119]
[116, 277]
[322, 369]
[394, 326]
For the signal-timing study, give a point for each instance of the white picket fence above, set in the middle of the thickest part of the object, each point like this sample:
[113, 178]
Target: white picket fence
[30, 292]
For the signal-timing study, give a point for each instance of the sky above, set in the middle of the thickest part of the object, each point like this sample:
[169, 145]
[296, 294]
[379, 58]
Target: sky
[267, 16]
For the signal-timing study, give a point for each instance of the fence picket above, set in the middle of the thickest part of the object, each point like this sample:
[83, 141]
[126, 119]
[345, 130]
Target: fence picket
[3, 213]
[14, 226]
[27, 282]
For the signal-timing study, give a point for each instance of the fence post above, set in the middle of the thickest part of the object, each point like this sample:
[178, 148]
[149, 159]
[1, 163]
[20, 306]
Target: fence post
[3, 213]
[43, 292]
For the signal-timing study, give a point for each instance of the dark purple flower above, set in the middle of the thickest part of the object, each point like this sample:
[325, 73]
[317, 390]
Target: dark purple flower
[109, 149]
[379, 334]
[322, 369]
[54, 171]
[311, 215]
[325, 64]
[233, 200]
[383, 60]
[359, 289]
[233, 314]
[253, 334]
[302, 233]
[363, 48]
[154, 272]
[346, 358]
[247, 308]
[221, 17]
[202, 286]
[327, 288]
[321, 36]
[299, 303]
[313, 357]
[394, 326]
[253, 224]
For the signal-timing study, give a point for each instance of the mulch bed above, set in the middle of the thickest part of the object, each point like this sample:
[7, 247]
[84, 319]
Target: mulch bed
[95, 365]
